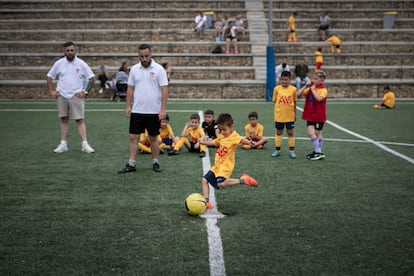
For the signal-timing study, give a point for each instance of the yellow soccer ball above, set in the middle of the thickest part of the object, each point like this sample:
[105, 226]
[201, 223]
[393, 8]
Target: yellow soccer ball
[195, 204]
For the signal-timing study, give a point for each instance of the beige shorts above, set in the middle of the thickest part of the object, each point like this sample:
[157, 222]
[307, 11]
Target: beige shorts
[73, 108]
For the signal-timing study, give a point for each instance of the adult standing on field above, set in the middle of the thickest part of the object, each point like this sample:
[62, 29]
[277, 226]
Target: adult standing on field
[71, 72]
[148, 94]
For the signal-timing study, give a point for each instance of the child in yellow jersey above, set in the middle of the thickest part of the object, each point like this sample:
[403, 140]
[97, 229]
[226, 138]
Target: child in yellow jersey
[219, 174]
[335, 45]
[167, 135]
[292, 27]
[284, 97]
[254, 132]
[190, 137]
[388, 100]
[144, 144]
[318, 59]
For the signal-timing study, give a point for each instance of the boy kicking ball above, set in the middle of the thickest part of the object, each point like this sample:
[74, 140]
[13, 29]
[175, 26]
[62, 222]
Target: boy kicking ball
[219, 174]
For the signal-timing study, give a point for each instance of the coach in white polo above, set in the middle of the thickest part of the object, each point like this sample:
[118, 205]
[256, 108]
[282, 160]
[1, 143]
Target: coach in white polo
[71, 72]
[147, 93]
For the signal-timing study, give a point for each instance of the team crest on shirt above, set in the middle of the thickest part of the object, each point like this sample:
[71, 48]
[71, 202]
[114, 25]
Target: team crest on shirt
[152, 74]
[77, 70]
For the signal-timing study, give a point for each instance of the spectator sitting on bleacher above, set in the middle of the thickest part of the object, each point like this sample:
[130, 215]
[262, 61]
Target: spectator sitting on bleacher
[240, 25]
[218, 28]
[231, 36]
[200, 21]
[279, 69]
[301, 73]
[102, 74]
[121, 81]
[324, 24]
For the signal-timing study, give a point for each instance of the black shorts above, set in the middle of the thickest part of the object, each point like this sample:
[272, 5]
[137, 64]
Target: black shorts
[323, 28]
[139, 122]
[289, 125]
[317, 125]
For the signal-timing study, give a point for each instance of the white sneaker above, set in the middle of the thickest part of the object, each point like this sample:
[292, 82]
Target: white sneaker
[100, 91]
[62, 147]
[86, 148]
[106, 86]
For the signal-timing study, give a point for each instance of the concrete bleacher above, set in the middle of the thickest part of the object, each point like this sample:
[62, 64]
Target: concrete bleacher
[32, 32]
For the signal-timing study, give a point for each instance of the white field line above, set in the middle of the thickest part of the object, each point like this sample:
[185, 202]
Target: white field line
[369, 140]
[215, 246]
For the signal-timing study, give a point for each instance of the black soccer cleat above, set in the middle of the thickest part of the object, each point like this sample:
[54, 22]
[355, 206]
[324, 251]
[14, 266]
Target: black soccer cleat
[128, 168]
[156, 167]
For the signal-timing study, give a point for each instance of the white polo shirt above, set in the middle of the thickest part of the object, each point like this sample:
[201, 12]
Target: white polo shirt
[147, 84]
[70, 75]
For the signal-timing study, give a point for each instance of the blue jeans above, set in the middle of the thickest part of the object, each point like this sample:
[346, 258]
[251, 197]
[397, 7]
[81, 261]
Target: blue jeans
[299, 80]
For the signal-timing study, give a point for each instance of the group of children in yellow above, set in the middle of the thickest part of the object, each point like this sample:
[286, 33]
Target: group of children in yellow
[334, 40]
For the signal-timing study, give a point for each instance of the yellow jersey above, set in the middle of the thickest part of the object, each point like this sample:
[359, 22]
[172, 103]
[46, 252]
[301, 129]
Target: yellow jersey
[225, 157]
[166, 133]
[389, 99]
[284, 99]
[292, 23]
[258, 130]
[195, 134]
[318, 57]
[334, 40]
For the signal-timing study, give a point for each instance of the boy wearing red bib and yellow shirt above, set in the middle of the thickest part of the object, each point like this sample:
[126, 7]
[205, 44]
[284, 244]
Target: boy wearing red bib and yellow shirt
[314, 112]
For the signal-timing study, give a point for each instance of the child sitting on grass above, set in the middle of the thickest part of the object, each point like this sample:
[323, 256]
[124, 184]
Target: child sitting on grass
[225, 158]
[190, 137]
[168, 138]
[254, 133]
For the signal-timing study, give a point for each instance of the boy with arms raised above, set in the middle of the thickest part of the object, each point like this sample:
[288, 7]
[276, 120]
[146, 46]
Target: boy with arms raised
[219, 174]
[314, 112]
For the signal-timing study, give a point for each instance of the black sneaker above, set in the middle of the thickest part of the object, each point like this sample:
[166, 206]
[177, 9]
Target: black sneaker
[317, 156]
[156, 167]
[310, 155]
[128, 168]
[202, 154]
[172, 152]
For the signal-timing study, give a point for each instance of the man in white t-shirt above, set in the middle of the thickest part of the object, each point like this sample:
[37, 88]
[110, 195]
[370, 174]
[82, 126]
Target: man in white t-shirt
[279, 69]
[148, 88]
[71, 72]
[200, 21]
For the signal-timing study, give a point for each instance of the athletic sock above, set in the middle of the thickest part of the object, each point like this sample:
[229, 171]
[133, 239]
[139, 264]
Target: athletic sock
[315, 142]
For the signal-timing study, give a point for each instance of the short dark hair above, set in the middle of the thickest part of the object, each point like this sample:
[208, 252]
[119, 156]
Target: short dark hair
[68, 43]
[253, 114]
[195, 116]
[166, 117]
[225, 119]
[209, 112]
[144, 46]
[285, 74]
